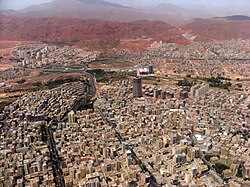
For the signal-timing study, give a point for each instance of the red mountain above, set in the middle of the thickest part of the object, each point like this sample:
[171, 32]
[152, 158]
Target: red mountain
[65, 29]
[219, 29]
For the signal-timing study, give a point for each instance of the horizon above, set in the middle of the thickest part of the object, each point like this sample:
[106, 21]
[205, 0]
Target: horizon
[235, 6]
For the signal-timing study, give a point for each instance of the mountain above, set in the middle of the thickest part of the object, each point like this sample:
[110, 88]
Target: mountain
[218, 8]
[7, 12]
[98, 20]
[84, 9]
[99, 9]
[219, 29]
[65, 29]
[180, 12]
[235, 18]
[104, 3]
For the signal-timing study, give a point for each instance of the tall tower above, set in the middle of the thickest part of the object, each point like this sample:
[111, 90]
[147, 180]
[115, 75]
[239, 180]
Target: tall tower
[137, 87]
[151, 69]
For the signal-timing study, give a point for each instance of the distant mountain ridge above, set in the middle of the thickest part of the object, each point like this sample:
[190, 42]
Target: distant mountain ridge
[105, 3]
[83, 20]
[106, 10]
[100, 9]
[180, 12]
[234, 18]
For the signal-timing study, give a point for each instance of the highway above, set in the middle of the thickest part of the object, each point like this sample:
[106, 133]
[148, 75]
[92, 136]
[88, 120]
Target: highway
[54, 156]
[55, 160]
[83, 101]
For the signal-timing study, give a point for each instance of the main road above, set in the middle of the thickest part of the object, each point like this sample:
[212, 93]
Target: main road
[55, 160]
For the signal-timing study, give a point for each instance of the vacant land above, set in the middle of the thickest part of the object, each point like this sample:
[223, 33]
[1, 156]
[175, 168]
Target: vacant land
[6, 46]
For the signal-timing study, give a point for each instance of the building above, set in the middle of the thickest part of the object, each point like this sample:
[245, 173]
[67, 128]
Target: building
[151, 69]
[156, 93]
[199, 90]
[137, 87]
[183, 94]
[246, 170]
[71, 117]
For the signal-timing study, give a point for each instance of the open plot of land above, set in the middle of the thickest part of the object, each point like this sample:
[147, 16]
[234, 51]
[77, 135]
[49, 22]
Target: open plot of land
[111, 64]
[5, 65]
[29, 81]
[6, 46]
[158, 82]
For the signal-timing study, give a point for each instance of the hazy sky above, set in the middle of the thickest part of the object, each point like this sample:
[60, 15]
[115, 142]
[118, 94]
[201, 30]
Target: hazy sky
[187, 3]
[19, 4]
[245, 4]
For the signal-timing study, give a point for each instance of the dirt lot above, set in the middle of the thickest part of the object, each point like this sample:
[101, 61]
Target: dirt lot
[6, 46]
[6, 65]
[28, 85]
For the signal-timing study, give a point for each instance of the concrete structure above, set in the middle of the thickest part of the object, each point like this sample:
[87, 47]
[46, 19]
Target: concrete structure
[199, 90]
[151, 69]
[71, 117]
[137, 87]
[246, 170]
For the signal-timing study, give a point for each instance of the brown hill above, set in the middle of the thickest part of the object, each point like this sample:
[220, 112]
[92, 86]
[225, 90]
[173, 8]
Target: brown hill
[64, 29]
[116, 34]
[213, 29]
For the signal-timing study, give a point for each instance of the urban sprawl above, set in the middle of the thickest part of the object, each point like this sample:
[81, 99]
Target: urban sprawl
[179, 115]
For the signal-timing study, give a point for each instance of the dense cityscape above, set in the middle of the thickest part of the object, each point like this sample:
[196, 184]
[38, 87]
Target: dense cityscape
[145, 128]
[107, 94]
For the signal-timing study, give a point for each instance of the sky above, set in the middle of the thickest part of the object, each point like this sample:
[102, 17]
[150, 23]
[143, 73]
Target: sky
[236, 4]
[184, 2]
[19, 4]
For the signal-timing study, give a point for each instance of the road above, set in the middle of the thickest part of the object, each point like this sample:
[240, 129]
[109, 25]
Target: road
[144, 169]
[55, 160]
[83, 101]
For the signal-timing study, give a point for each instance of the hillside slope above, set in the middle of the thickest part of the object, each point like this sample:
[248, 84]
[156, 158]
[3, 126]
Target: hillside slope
[93, 32]
[213, 29]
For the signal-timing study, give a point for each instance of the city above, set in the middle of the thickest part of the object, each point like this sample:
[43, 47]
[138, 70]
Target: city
[169, 111]
[137, 132]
